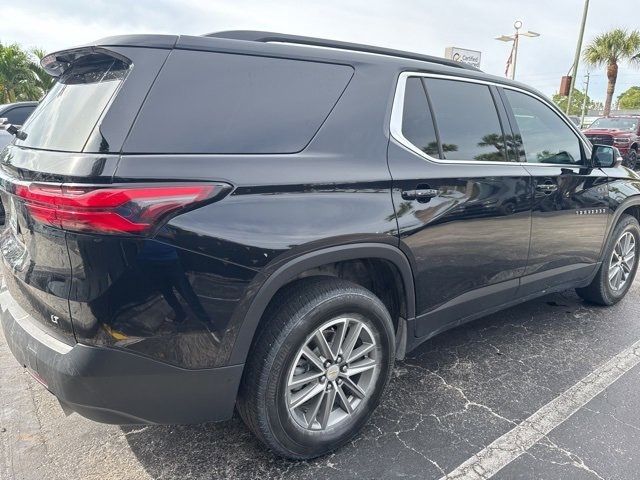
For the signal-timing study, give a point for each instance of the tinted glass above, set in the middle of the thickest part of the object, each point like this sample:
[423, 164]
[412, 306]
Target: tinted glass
[220, 103]
[467, 120]
[18, 115]
[619, 123]
[68, 113]
[417, 124]
[546, 138]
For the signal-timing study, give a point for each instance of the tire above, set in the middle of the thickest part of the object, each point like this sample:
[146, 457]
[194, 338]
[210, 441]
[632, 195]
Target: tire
[266, 400]
[601, 291]
[632, 160]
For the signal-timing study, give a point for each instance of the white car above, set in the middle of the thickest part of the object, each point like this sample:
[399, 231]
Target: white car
[5, 138]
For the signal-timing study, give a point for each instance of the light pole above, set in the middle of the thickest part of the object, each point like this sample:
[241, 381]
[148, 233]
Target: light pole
[576, 59]
[584, 101]
[515, 38]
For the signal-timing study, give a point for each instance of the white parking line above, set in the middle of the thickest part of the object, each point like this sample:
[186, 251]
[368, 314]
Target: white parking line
[515, 442]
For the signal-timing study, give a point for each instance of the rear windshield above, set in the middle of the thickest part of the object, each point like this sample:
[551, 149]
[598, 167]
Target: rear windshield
[222, 103]
[66, 116]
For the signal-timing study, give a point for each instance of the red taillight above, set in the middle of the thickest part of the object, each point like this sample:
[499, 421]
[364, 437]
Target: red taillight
[124, 210]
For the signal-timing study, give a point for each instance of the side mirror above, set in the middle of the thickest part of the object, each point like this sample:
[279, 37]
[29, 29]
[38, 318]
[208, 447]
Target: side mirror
[4, 123]
[13, 130]
[605, 156]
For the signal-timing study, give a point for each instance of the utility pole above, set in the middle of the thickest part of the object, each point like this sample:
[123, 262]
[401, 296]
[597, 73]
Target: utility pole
[515, 38]
[576, 59]
[584, 101]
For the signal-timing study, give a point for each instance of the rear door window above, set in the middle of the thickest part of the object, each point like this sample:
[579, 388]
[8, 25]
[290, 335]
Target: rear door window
[204, 102]
[467, 120]
[66, 116]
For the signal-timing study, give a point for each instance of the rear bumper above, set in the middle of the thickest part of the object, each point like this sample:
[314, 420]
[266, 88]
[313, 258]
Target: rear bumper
[113, 386]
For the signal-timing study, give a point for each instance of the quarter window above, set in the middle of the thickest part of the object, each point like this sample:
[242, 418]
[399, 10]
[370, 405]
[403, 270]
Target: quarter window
[467, 120]
[229, 104]
[546, 138]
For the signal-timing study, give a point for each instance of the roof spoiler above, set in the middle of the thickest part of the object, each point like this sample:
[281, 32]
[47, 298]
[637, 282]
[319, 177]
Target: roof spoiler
[57, 62]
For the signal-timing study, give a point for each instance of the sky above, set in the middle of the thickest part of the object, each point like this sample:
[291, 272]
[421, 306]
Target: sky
[424, 26]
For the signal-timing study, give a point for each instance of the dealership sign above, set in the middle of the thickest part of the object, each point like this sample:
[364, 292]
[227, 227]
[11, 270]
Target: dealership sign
[471, 57]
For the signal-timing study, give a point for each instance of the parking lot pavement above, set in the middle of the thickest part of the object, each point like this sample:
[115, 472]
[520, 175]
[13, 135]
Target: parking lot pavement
[449, 403]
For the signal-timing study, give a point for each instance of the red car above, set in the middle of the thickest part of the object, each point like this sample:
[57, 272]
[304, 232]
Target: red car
[622, 132]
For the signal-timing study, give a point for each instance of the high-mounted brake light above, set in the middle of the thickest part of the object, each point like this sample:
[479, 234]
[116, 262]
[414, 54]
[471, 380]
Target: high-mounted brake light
[114, 210]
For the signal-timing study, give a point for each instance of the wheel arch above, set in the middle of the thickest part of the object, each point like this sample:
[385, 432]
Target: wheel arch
[284, 274]
[630, 206]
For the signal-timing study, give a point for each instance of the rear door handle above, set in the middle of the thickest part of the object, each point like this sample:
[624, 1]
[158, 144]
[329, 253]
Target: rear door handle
[420, 194]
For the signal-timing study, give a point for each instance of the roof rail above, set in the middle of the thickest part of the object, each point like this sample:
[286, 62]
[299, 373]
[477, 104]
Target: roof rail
[258, 36]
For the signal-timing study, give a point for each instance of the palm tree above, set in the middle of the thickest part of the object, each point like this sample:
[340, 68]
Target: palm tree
[42, 80]
[15, 75]
[609, 49]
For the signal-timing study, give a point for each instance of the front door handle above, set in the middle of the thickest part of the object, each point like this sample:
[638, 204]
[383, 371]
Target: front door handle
[420, 194]
[547, 188]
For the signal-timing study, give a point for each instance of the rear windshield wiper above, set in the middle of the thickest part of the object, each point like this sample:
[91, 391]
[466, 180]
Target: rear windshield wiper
[19, 134]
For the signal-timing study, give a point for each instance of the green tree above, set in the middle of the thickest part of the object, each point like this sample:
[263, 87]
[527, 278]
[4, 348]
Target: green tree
[610, 49]
[42, 80]
[21, 76]
[629, 100]
[15, 75]
[577, 97]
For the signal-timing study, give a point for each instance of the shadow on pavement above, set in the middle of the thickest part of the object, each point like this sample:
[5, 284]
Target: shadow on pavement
[450, 397]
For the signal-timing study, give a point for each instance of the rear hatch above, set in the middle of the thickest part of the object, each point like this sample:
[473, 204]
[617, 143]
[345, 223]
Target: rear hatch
[49, 177]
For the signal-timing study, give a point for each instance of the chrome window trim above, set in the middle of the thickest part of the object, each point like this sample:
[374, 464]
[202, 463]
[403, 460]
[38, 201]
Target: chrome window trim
[397, 111]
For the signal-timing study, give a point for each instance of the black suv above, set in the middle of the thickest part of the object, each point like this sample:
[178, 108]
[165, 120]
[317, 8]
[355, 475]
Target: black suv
[267, 222]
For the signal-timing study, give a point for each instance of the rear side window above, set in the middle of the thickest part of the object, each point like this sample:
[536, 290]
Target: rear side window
[222, 103]
[66, 116]
[467, 120]
[417, 123]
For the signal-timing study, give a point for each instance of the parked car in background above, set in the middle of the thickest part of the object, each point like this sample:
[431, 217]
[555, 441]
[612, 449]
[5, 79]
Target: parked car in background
[5, 138]
[575, 120]
[12, 114]
[16, 113]
[327, 208]
[623, 132]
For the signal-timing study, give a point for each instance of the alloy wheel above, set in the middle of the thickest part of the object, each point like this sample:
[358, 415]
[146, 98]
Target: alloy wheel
[623, 260]
[333, 372]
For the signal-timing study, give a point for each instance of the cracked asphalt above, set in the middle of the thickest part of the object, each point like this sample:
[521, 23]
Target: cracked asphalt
[448, 400]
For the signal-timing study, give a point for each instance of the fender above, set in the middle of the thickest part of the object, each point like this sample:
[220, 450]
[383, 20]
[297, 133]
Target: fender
[287, 272]
[631, 201]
